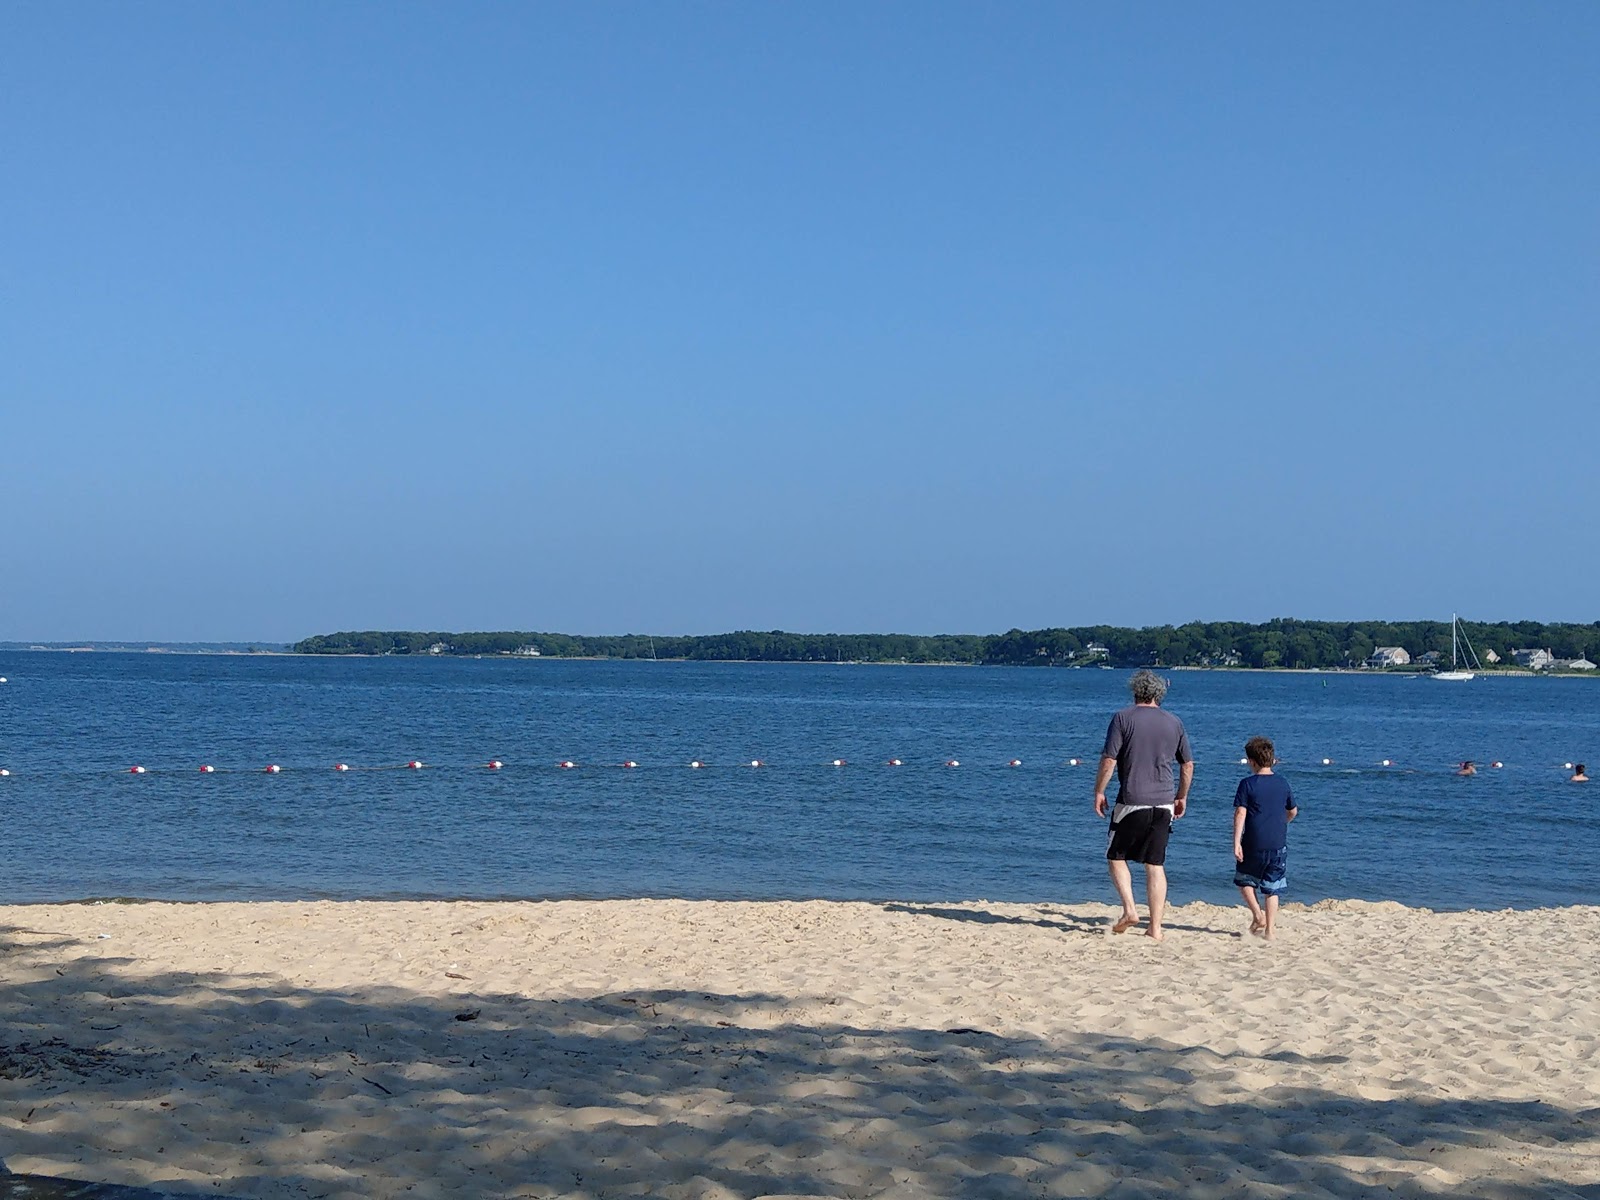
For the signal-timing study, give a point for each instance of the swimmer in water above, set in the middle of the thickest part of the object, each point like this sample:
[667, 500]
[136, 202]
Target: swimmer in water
[1468, 768]
[1578, 775]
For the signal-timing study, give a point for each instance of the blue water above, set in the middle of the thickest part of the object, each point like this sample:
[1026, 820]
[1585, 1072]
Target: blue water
[78, 824]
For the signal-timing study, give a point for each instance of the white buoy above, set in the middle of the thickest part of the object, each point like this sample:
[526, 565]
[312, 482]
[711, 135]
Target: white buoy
[1497, 764]
[271, 769]
[208, 769]
[341, 766]
[2, 679]
[952, 762]
[1072, 762]
[566, 764]
[1243, 761]
[1327, 762]
[4, 773]
[756, 762]
[697, 764]
[894, 762]
[838, 762]
[1015, 762]
[494, 764]
[630, 764]
[1566, 766]
[1386, 763]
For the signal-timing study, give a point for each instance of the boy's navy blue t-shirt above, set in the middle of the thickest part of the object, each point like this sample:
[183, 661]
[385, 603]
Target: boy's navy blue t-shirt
[1266, 800]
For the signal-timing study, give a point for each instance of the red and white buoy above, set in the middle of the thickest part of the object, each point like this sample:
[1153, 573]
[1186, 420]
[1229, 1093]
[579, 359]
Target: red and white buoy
[208, 769]
[341, 766]
[894, 762]
[630, 764]
[1015, 762]
[566, 764]
[136, 771]
[414, 765]
[1497, 764]
[494, 764]
[697, 764]
[838, 762]
[269, 769]
[952, 762]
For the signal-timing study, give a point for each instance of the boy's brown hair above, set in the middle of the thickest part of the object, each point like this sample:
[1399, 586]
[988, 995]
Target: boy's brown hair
[1259, 750]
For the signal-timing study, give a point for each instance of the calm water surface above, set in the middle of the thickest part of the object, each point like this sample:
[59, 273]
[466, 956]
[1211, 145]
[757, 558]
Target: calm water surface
[79, 825]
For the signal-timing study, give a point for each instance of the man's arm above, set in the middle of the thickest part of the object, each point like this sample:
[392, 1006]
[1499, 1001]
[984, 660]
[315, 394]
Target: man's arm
[1293, 812]
[1238, 835]
[1107, 765]
[1185, 782]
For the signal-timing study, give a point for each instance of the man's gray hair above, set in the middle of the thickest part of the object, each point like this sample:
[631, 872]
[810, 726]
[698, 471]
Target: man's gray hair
[1147, 687]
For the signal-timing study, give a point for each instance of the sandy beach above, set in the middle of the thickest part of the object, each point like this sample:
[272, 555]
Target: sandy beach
[705, 1050]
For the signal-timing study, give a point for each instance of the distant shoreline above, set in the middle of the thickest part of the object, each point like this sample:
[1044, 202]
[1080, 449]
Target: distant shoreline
[1498, 673]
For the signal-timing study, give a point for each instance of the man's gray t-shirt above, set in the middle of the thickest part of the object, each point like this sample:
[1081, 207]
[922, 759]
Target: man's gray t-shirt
[1144, 740]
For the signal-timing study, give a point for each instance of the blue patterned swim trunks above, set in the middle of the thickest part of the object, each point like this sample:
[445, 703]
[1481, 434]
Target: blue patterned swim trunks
[1264, 870]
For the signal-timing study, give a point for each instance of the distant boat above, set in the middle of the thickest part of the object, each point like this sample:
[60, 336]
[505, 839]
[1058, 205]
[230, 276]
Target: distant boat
[1456, 673]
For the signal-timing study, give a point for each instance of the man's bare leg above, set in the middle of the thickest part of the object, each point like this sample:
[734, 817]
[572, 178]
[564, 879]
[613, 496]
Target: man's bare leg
[1122, 880]
[1258, 919]
[1155, 891]
[1272, 917]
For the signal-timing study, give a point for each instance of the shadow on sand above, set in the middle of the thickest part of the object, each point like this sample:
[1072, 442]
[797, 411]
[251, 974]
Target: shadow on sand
[689, 1093]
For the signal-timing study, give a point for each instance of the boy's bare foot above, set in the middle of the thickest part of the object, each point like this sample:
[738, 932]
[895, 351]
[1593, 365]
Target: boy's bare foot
[1124, 923]
[1260, 931]
[1257, 924]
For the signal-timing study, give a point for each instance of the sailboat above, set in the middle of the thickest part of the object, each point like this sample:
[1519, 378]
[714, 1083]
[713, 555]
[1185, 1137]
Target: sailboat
[1457, 669]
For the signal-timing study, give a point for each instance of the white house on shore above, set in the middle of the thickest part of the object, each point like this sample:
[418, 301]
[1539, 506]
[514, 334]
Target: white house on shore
[1534, 660]
[1573, 664]
[1389, 656]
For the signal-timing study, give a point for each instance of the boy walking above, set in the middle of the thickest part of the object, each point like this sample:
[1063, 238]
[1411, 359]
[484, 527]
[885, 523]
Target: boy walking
[1262, 809]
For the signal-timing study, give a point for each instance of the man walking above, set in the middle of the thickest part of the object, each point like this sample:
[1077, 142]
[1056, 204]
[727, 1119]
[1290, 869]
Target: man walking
[1141, 744]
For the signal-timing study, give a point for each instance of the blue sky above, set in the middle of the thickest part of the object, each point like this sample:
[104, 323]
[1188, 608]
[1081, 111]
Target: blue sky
[691, 317]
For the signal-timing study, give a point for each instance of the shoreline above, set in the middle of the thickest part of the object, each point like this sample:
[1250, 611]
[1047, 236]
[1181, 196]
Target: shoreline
[1289, 906]
[163, 651]
[713, 1050]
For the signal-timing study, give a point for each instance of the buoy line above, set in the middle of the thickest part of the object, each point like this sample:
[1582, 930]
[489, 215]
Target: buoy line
[699, 764]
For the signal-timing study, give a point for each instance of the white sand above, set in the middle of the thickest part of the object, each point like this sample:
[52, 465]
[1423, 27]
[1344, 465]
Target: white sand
[678, 1049]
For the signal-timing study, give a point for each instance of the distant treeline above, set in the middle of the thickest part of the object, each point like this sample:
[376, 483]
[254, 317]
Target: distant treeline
[1278, 643]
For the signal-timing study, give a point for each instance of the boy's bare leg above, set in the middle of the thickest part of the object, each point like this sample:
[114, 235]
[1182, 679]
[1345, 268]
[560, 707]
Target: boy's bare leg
[1155, 890]
[1258, 919]
[1123, 882]
[1272, 917]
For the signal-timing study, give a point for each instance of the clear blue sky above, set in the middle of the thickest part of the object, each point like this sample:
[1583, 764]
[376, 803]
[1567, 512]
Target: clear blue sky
[690, 317]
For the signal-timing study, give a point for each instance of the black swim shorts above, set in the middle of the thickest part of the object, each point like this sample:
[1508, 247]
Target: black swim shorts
[1141, 836]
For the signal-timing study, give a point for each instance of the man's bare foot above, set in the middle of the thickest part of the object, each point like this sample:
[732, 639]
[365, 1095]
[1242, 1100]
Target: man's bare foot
[1268, 935]
[1124, 923]
[1155, 935]
[1257, 924]
[1260, 931]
